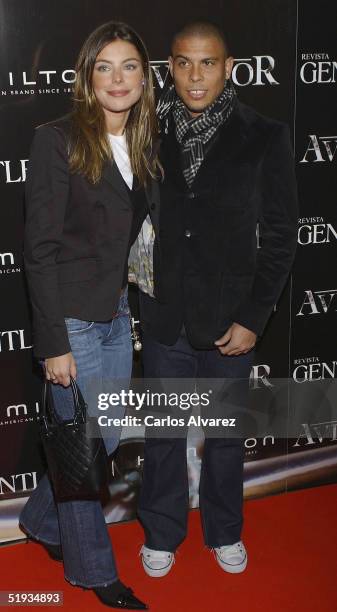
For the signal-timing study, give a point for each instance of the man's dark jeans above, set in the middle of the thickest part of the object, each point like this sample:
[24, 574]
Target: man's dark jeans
[164, 499]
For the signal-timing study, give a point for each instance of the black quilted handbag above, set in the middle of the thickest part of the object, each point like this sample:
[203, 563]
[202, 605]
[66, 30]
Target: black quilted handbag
[75, 452]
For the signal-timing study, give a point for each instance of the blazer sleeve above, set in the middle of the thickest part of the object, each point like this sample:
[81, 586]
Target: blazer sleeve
[47, 191]
[278, 223]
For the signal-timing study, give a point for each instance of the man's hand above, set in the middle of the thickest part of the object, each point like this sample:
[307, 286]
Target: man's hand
[238, 340]
[59, 369]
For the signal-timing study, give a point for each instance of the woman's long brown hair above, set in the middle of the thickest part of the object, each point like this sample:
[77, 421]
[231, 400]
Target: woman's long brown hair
[89, 146]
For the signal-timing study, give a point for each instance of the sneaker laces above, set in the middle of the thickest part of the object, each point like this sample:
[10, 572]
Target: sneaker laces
[231, 550]
[157, 555]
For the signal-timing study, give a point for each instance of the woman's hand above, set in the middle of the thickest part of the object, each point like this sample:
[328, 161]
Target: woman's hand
[59, 369]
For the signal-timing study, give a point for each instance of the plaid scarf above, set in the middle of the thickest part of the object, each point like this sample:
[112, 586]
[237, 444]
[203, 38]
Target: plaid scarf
[194, 133]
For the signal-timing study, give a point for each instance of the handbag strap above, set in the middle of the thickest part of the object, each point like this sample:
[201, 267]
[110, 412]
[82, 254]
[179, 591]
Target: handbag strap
[47, 409]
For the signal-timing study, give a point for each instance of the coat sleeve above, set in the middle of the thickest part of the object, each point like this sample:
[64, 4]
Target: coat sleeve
[47, 191]
[278, 224]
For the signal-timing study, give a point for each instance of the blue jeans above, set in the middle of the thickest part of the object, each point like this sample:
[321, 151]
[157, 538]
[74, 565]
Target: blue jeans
[164, 498]
[103, 354]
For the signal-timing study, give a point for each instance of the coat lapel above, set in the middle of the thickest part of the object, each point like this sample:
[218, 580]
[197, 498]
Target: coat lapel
[170, 157]
[229, 141]
[114, 177]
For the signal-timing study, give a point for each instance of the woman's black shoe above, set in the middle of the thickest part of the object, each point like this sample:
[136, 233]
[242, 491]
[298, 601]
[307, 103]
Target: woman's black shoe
[117, 595]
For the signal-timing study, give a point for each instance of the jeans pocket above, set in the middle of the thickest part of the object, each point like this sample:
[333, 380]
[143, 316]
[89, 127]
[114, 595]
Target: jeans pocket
[78, 326]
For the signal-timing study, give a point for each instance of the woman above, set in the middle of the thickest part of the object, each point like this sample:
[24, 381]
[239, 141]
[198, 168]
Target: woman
[86, 200]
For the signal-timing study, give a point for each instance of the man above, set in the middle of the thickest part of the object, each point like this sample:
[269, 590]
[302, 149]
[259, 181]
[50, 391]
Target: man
[226, 168]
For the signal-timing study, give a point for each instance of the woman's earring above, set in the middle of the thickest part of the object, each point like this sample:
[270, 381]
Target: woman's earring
[143, 82]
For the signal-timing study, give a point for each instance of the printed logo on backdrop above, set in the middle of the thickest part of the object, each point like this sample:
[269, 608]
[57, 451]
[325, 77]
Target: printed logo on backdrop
[316, 417]
[18, 483]
[13, 171]
[318, 302]
[13, 340]
[45, 82]
[259, 379]
[8, 264]
[319, 149]
[254, 70]
[316, 230]
[313, 434]
[317, 68]
[253, 446]
[309, 369]
[15, 414]
[259, 376]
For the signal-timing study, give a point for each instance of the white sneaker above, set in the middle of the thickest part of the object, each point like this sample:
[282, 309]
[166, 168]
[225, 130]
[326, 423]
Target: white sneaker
[156, 563]
[232, 558]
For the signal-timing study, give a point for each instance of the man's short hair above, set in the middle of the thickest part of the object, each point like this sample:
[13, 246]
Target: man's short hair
[201, 27]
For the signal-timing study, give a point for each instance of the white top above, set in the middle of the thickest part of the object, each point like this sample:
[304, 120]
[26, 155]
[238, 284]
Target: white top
[121, 157]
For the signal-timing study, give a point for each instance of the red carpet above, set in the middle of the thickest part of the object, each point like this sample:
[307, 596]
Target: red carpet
[291, 541]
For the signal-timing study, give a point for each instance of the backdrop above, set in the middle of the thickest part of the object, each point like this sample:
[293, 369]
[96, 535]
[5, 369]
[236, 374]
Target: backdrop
[286, 68]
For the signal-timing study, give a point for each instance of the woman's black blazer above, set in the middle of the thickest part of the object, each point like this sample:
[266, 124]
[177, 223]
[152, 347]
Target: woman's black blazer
[76, 239]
